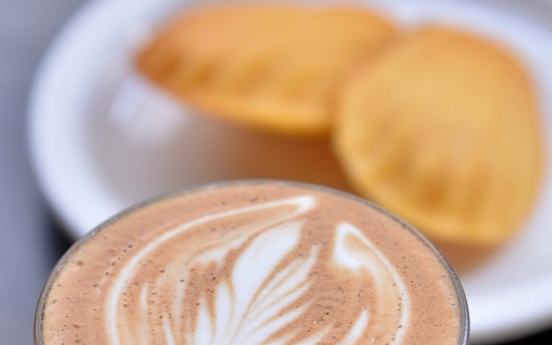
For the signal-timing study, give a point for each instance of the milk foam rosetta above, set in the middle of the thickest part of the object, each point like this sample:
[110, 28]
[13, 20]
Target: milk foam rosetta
[251, 266]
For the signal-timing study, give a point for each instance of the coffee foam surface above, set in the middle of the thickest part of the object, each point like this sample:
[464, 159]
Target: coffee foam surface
[250, 265]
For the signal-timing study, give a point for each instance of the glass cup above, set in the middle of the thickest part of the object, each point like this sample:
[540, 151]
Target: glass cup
[141, 233]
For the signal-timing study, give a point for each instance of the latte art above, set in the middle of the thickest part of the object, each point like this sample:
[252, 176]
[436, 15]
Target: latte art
[248, 266]
[261, 284]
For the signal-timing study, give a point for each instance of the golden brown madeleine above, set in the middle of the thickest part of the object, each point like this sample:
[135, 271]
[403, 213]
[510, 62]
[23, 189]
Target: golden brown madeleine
[267, 66]
[443, 129]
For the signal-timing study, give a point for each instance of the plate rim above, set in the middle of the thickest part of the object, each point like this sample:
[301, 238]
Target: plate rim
[63, 42]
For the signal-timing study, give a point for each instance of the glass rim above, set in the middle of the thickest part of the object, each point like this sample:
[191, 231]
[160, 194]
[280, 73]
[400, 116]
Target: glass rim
[464, 328]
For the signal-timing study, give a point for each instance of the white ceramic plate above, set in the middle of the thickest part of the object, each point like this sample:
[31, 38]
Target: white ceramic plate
[102, 139]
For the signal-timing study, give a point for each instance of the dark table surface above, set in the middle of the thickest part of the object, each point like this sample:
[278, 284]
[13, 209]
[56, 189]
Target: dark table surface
[30, 239]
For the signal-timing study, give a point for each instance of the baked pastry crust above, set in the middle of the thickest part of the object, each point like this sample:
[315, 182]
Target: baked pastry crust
[272, 67]
[443, 129]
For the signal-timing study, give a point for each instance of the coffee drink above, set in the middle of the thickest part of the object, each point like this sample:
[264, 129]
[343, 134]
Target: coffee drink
[251, 263]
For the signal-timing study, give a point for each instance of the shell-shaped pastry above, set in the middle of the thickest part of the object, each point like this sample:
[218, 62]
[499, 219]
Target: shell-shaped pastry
[443, 129]
[271, 67]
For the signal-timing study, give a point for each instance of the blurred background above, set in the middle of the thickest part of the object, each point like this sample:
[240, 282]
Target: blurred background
[31, 240]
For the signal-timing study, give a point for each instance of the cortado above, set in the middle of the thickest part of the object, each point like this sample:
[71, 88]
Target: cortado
[253, 263]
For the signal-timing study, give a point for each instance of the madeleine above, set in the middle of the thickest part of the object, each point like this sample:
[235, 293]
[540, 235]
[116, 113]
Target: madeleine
[442, 128]
[271, 67]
